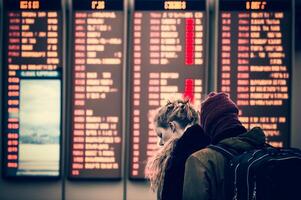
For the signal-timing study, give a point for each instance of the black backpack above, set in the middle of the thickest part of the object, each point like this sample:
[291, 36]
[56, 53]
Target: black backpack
[262, 174]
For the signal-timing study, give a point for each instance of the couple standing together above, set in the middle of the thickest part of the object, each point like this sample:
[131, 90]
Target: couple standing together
[184, 168]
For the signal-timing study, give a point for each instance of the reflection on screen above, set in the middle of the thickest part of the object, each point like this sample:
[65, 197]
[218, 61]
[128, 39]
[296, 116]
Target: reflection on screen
[39, 134]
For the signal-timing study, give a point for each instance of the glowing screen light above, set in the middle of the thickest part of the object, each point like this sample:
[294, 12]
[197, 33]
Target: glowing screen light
[168, 61]
[97, 66]
[254, 63]
[32, 88]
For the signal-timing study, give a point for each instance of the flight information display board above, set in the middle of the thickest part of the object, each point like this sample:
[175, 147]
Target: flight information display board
[97, 56]
[32, 73]
[255, 63]
[168, 62]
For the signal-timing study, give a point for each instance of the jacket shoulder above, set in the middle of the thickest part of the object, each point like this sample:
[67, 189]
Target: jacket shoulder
[206, 155]
[204, 174]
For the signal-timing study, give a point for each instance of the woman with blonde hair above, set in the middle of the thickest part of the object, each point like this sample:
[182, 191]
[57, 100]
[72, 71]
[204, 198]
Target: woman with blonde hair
[177, 126]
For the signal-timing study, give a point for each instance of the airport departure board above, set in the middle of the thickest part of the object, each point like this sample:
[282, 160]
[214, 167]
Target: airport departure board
[255, 63]
[97, 56]
[32, 73]
[168, 62]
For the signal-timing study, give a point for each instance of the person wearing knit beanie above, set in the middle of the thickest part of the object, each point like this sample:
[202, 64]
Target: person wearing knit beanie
[219, 117]
[205, 174]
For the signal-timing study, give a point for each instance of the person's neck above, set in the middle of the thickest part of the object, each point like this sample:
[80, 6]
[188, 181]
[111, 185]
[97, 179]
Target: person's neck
[185, 129]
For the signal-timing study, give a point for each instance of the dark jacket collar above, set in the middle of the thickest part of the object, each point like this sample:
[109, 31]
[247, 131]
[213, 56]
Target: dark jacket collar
[255, 138]
[193, 139]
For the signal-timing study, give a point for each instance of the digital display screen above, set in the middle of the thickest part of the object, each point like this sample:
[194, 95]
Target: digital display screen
[169, 61]
[32, 88]
[255, 63]
[97, 55]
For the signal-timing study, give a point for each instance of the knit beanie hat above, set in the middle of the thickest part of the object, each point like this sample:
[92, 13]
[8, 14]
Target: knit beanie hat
[219, 114]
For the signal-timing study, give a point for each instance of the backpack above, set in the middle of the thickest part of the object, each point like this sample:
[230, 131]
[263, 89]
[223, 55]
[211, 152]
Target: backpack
[268, 173]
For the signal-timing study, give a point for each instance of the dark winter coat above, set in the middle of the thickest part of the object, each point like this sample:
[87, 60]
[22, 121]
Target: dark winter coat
[192, 140]
[204, 170]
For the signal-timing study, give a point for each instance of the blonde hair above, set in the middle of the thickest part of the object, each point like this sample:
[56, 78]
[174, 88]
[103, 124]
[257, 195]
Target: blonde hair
[179, 110]
[182, 112]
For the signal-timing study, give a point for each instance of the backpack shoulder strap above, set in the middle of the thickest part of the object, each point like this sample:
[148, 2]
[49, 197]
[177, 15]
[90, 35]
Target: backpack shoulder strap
[225, 152]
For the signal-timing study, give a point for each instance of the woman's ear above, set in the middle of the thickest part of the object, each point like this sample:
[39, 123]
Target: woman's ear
[172, 126]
